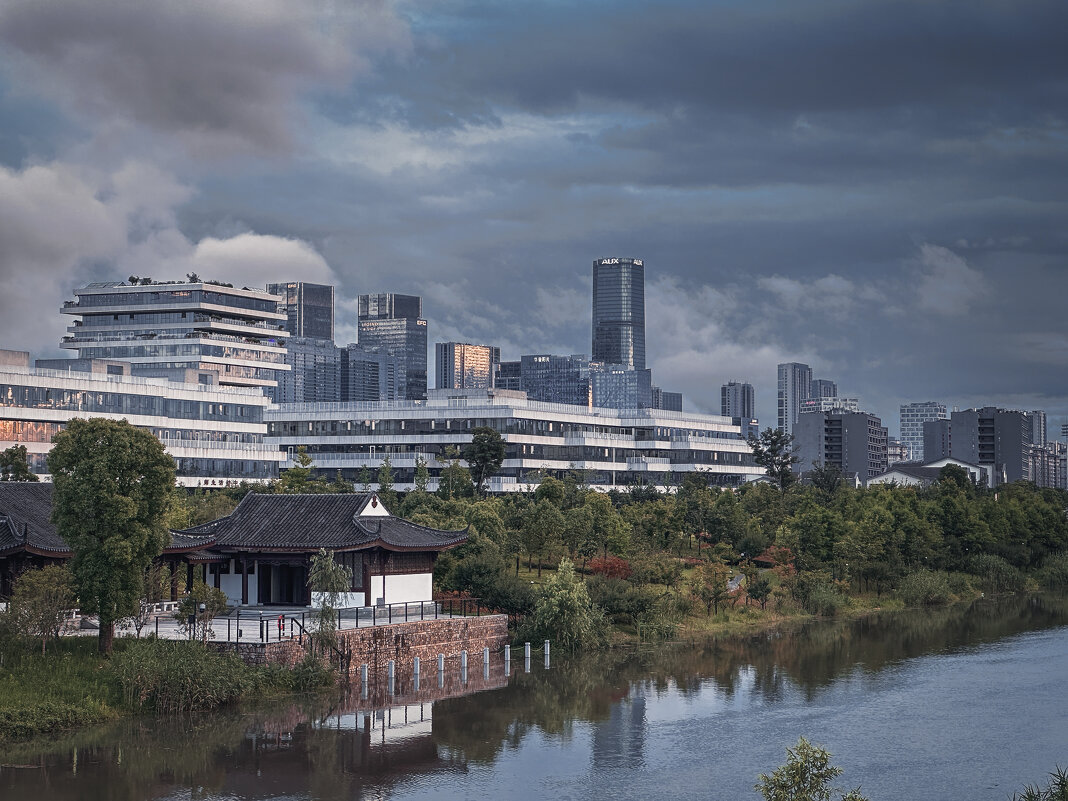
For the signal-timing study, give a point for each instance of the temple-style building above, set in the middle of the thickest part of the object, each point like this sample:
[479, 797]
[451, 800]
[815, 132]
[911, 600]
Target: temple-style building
[260, 553]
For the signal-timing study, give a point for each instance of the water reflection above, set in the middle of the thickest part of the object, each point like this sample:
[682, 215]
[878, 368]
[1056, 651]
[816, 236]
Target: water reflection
[355, 747]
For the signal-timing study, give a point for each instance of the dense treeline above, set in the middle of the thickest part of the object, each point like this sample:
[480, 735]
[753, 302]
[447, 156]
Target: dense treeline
[653, 557]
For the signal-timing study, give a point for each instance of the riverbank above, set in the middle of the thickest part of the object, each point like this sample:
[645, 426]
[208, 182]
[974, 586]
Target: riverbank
[72, 685]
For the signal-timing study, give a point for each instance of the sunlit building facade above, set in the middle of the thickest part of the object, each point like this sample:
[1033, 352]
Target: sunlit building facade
[162, 329]
[464, 366]
[215, 434]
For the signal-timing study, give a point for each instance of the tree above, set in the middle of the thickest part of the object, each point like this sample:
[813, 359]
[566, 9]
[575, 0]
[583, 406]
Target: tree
[564, 613]
[14, 465]
[112, 490]
[484, 455]
[296, 478]
[385, 483]
[422, 475]
[201, 605]
[329, 578]
[455, 480]
[710, 585]
[609, 530]
[759, 588]
[773, 450]
[827, 478]
[806, 776]
[543, 528]
[41, 602]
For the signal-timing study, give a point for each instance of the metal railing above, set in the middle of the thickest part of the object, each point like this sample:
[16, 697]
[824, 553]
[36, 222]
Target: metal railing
[263, 626]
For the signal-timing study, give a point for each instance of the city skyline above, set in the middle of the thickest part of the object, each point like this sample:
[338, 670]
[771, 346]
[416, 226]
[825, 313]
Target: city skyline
[880, 198]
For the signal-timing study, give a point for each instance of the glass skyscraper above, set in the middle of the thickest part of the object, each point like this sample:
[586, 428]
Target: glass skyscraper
[619, 312]
[309, 308]
[393, 324]
[464, 366]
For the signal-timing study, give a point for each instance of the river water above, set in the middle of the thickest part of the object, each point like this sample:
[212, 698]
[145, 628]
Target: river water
[966, 703]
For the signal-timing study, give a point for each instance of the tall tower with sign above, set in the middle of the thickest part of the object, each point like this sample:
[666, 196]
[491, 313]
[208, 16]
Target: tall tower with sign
[619, 312]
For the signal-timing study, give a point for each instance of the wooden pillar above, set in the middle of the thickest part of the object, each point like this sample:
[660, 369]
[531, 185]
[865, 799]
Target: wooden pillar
[244, 580]
[189, 577]
[218, 576]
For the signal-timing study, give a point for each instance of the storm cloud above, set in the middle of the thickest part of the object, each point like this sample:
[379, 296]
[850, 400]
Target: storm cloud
[877, 189]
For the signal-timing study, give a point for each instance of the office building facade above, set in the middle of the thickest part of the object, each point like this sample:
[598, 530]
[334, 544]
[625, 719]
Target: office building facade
[464, 366]
[367, 376]
[669, 401]
[555, 379]
[314, 375]
[794, 385]
[619, 312]
[823, 388]
[616, 387]
[309, 308]
[165, 329]
[214, 433]
[913, 416]
[393, 324]
[737, 399]
[613, 448]
[997, 439]
[855, 442]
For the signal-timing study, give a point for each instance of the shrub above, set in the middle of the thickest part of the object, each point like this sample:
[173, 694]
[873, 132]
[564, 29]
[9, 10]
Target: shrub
[824, 599]
[995, 574]
[1053, 575]
[564, 613]
[612, 567]
[925, 588]
[619, 599]
[179, 676]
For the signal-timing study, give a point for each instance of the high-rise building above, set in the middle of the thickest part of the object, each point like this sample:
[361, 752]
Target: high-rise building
[854, 441]
[464, 366]
[823, 388]
[314, 375]
[166, 329]
[393, 324]
[669, 401]
[613, 386]
[913, 416]
[1038, 427]
[619, 312]
[309, 308]
[555, 379]
[997, 439]
[737, 400]
[367, 376]
[509, 375]
[794, 385]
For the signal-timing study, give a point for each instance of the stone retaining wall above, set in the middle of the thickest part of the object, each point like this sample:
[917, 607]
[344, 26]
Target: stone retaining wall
[401, 642]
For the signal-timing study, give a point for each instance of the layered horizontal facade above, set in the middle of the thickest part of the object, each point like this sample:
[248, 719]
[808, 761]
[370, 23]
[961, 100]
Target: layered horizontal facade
[614, 448]
[215, 434]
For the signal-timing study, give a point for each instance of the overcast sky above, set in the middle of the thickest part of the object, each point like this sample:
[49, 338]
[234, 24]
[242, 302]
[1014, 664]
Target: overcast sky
[879, 189]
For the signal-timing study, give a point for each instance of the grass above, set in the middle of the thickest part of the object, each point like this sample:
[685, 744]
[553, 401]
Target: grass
[73, 685]
[65, 688]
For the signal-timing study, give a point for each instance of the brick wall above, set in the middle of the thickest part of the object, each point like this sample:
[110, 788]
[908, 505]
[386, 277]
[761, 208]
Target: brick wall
[401, 642]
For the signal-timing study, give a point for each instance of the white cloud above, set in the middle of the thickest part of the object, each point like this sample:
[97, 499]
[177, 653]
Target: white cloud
[61, 226]
[947, 285]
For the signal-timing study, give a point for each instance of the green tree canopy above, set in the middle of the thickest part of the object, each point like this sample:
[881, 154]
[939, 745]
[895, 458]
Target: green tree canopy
[14, 465]
[112, 491]
[773, 450]
[806, 776]
[484, 455]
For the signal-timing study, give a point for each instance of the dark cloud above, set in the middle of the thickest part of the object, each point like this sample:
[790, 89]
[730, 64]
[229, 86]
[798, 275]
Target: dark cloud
[876, 189]
[217, 75]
